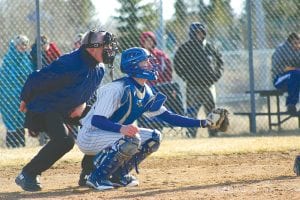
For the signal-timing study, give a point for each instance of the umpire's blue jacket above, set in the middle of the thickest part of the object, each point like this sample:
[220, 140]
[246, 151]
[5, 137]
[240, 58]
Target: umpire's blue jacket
[63, 85]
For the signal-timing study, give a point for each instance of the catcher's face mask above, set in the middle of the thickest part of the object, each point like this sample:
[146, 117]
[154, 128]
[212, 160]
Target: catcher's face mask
[138, 62]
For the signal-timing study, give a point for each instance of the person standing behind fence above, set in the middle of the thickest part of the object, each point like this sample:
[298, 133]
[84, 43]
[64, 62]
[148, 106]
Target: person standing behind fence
[164, 65]
[58, 92]
[286, 70]
[50, 52]
[199, 64]
[164, 70]
[15, 68]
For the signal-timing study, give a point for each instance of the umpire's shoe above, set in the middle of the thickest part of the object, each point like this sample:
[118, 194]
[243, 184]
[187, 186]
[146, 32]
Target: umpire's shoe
[28, 183]
[127, 180]
[97, 184]
[297, 166]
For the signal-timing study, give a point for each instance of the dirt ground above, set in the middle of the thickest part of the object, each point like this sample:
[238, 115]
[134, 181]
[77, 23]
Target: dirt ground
[238, 176]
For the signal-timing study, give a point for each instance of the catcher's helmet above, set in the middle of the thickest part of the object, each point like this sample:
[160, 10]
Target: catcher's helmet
[130, 63]
[195, 27]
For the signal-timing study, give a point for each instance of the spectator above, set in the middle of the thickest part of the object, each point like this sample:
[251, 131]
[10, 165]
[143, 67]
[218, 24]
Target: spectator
[13, 74]
[164, 82]
[164, 67]
[199, 64]
[286, 70]
[77, 41]
[50, 52]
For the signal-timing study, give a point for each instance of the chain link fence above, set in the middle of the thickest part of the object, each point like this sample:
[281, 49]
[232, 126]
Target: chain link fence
[195, 77]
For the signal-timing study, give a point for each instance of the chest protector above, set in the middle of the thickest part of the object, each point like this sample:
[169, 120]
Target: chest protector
[134, 102]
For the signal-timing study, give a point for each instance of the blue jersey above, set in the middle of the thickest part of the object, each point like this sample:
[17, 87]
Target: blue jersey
[122, 102]
[63, 85]
[135, 102]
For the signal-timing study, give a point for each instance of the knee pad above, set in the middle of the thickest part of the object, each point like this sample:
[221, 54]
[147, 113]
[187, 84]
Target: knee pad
[148, 147]
[128, 146]
[109, 160]
[122, 150]
[151, 145]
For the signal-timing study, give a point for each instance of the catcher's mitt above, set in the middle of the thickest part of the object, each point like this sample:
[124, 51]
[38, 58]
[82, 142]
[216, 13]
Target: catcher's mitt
[218, 119]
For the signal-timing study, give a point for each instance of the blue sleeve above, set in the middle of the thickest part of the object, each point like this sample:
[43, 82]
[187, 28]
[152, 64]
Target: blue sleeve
[50, 78]
[105, 124]
[181, 121]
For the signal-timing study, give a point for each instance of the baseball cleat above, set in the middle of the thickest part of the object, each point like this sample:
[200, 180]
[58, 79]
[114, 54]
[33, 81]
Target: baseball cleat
[99, 184]
[127, 180]
[28, 183]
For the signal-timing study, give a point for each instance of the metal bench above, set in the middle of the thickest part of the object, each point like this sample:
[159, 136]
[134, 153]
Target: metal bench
[281, 117]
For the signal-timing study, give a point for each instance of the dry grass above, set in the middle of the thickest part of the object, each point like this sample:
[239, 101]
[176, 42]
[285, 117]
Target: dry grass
[179, 147]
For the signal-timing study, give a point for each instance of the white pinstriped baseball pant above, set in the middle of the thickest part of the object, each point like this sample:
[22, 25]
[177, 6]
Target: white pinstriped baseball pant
[92, 141]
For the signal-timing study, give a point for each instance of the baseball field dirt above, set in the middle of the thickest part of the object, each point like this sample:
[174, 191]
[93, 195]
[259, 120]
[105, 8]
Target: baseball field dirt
[221, 168]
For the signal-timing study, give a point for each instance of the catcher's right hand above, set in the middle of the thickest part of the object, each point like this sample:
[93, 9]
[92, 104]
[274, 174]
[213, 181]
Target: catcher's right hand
[218, 119]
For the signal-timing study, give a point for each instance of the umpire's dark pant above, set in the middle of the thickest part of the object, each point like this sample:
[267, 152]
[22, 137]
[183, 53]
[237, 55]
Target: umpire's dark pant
[60, 141]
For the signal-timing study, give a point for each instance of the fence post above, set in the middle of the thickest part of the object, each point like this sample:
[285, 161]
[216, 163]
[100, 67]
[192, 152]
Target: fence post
[160, 39]
[251, 70]
[38, 34]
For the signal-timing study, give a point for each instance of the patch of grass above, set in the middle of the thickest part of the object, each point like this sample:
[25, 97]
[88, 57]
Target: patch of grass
[231, 145]
[178, 147]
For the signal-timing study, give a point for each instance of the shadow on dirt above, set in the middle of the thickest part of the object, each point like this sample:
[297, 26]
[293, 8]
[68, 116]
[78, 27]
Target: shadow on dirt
[55, 194]
[134, 193]
[152, 192]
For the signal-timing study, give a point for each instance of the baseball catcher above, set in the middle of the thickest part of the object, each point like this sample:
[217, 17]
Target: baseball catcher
[108, 131]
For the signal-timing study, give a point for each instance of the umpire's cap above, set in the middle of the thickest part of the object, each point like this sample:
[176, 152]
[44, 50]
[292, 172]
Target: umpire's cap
[195, 27]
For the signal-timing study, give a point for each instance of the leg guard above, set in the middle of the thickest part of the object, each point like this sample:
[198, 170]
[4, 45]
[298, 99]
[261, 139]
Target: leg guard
[147, 148]
[109, 160]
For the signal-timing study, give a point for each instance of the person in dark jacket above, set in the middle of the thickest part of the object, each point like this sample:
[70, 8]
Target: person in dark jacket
[286, 70]
[50, 52]
[58, 92]
[15, 68]
[199, 64]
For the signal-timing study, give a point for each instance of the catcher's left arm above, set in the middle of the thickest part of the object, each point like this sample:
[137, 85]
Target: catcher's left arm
[218, 119]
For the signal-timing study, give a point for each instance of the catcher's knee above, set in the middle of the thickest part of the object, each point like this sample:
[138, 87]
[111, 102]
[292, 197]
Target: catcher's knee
[128, 146]
[151, 145]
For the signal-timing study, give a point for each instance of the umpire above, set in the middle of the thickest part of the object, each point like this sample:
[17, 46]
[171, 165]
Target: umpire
[58, 92]
[199, 64]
